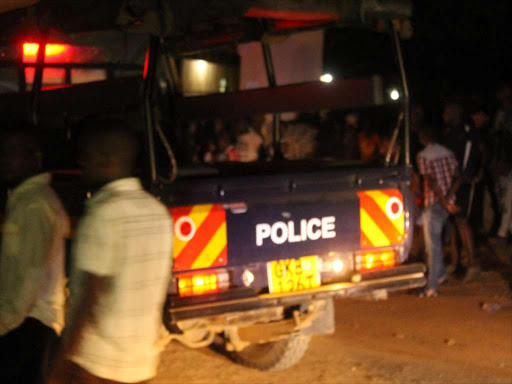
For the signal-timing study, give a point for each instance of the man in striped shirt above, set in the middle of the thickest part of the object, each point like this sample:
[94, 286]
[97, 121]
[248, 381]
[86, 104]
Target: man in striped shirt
[438, 167]
[122, 261]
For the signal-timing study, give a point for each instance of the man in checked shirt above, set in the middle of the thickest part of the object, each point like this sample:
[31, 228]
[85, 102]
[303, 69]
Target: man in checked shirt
[438, 167]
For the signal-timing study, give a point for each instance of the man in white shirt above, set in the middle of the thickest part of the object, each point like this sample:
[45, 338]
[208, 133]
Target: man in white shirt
[32, 260]
[122, 259]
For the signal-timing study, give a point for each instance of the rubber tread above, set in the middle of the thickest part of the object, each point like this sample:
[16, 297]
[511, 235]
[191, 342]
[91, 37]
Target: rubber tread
[281, 354]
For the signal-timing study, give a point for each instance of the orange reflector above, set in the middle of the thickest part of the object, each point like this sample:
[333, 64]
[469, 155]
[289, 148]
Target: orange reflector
[202, 283]
[375, 261]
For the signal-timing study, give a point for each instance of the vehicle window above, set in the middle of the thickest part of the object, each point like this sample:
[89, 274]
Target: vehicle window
[51, 77]
[79, 76]
[202, 77]
[297, 58]
[210, 72]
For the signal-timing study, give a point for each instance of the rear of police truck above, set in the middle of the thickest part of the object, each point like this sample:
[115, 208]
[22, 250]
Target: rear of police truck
[273, 218]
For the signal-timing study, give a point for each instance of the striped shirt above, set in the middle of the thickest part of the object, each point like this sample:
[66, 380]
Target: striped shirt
[438, 163]
[125, 235]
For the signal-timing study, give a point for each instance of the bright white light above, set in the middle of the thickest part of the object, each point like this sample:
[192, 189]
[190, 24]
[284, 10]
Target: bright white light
[326, 78]
[337, 265]
[247, 277]
[223, 83]
[394, 94]
[201, 66]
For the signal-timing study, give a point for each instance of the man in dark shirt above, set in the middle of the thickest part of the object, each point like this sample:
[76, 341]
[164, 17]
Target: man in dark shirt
[465, 142]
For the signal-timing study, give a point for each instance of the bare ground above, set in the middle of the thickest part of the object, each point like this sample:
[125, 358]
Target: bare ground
[405, 339]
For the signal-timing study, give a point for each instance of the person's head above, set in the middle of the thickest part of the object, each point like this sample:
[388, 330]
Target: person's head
[108, 151]
[20, 153]
[507, 103]
[257, 122]
[417, 115]
[480, 117]
[503, 92]
[428, 134]
[211, 147]
[352, 119]
[224, 141]
[453, 114]
[241, 126]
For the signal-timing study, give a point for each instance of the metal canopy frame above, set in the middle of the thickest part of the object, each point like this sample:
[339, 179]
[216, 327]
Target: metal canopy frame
[406, 97]
[155, 48]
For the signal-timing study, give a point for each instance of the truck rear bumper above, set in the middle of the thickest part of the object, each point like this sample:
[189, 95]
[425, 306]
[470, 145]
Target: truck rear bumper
[396, 279]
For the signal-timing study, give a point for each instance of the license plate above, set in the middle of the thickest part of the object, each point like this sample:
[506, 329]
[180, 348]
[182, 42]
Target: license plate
[293, 275]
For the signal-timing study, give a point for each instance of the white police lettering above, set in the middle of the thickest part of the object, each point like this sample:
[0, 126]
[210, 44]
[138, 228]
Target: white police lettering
[281, 232]
[314, 234]
[328, 227]
[292, 237]
[262, 232]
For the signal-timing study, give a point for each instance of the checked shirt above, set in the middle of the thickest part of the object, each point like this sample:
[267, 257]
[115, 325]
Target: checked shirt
[439, 164]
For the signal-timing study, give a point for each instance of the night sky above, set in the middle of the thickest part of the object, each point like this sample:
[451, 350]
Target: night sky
[459, 49]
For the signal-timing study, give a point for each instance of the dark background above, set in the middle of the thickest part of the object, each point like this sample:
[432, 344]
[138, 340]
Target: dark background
[459, 50]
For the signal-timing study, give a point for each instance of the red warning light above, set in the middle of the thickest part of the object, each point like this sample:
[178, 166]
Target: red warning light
[52, 51]
[30, 49]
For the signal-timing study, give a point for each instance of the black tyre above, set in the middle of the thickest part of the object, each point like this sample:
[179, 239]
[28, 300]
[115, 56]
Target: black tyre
[273, 356]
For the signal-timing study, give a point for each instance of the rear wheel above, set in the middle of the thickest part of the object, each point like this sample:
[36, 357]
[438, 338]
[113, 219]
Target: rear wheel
[275, 355]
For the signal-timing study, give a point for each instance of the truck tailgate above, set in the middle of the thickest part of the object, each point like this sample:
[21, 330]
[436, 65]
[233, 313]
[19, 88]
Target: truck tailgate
[252, 219]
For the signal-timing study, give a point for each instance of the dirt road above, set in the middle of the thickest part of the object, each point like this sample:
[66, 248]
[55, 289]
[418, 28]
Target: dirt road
[405, 339]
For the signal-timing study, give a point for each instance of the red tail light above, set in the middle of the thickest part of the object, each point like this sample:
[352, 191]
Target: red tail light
[203, 282]
[376, 260]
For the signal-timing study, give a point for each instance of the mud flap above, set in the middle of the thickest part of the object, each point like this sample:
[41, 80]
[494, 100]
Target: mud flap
[324, 324]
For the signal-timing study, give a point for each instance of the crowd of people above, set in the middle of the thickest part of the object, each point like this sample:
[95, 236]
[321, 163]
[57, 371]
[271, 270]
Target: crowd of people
[465, 168]
[122, 244]
[110, 327]
[462, 167]
[351, 136]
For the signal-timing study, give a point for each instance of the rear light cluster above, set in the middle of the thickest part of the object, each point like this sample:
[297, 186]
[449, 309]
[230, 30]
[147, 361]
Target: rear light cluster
[376, 260]
[334, 268]
[202, 282]
[337, 263]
